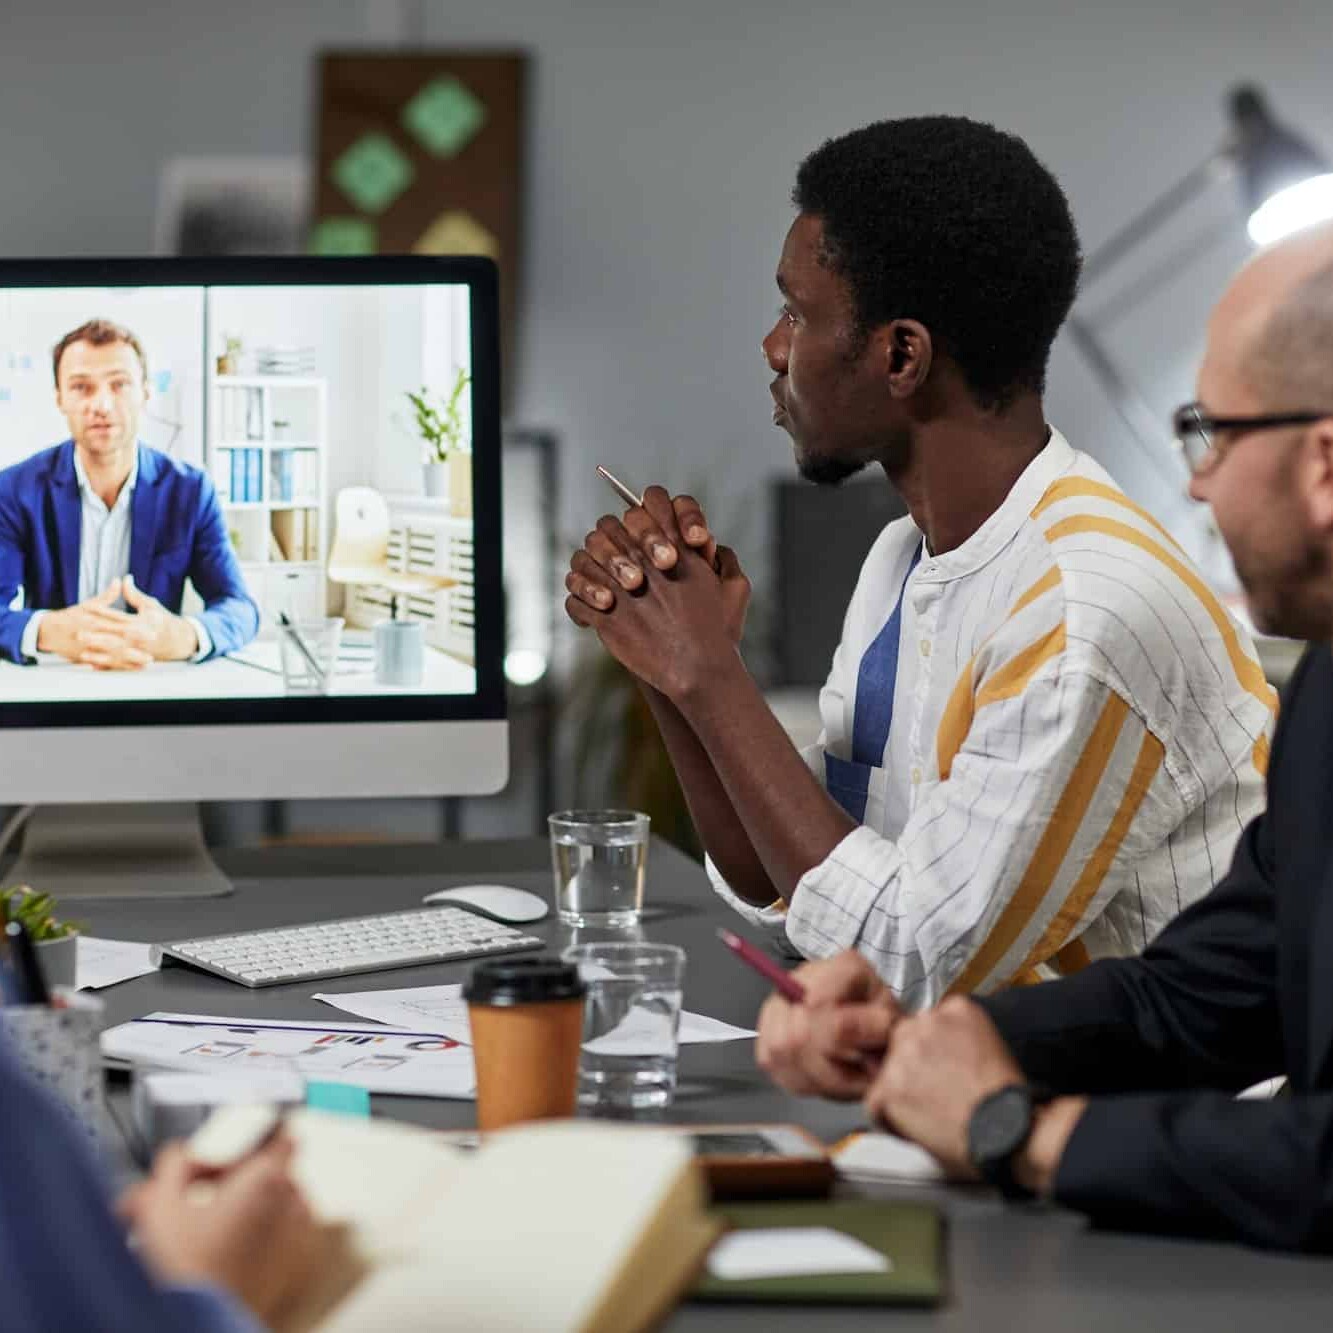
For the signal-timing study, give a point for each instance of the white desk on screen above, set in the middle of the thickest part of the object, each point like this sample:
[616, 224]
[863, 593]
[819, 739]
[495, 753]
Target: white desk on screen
[253, 673]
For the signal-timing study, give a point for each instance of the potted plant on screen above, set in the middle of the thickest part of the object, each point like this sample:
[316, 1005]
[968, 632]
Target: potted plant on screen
[439, 422]
[57, 942]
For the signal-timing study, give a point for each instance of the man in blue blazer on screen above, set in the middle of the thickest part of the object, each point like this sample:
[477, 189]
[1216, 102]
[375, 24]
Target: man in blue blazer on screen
[98, 535]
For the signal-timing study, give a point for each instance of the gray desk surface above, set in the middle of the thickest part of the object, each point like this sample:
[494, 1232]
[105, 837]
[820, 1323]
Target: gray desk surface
[1010, 1268]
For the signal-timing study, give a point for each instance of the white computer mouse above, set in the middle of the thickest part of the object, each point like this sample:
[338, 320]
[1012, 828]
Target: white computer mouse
[500, 902]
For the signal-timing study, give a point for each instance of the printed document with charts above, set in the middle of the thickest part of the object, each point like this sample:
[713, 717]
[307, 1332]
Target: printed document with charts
[567, 1226]
[411, 1063]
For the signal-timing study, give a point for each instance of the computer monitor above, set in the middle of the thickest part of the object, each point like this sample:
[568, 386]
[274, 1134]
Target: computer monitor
[279, 415]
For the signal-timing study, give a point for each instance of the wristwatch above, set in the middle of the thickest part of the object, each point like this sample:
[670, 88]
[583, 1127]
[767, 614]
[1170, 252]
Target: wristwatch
[999, 1127]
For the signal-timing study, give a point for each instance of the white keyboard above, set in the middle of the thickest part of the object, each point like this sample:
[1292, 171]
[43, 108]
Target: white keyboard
[357, 944]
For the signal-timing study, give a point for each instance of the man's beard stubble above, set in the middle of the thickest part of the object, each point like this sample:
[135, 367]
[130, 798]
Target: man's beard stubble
[1296, 602]
[892, 454]
[827, 471]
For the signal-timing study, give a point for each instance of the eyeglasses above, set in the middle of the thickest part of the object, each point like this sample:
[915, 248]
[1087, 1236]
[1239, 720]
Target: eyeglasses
[1196, 432]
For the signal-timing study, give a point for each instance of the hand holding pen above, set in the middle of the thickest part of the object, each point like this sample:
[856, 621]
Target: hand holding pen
[786, 985]
[652, 533]
[833, 1041]
[656, 522]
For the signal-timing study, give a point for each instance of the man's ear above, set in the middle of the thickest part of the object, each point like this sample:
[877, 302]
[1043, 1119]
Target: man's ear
[1315, 473]
[908, 353]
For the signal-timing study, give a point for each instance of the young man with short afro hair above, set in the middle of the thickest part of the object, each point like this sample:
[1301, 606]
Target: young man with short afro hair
[1042, 735]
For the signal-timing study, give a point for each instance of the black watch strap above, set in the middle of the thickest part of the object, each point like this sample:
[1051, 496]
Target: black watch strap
[1000, 1173]
[998, 1130]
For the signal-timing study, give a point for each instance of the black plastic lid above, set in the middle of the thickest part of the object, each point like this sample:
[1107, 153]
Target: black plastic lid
[523, 981]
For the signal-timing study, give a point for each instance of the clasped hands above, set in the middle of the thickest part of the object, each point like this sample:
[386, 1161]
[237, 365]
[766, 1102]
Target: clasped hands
[664, 598]
[920, 1075]
[95, 634]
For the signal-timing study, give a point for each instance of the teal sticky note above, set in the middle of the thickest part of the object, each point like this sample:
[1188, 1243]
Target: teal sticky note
[373, 172]
[343, 236]
[444, 116]
[339, 1098]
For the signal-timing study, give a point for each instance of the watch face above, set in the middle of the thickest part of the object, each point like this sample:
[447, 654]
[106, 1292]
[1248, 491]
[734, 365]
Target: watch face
[999, 1125]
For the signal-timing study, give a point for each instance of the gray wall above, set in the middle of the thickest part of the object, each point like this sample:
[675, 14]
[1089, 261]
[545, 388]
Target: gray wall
[663, 141]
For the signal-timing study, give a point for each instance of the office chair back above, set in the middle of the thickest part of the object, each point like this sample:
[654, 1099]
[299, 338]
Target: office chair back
[360, 552]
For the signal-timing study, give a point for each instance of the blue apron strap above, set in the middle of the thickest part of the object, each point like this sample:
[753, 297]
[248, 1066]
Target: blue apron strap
[876, 679]
[875, 683]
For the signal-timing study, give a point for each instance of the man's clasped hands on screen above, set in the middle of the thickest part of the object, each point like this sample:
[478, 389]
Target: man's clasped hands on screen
[97, 633]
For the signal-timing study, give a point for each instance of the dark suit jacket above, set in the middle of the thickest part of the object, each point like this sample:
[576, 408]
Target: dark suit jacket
[1238, 988]
[176, 532]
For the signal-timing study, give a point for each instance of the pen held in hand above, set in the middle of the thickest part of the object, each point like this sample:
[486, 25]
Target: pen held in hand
[787, 986]
[619, 487]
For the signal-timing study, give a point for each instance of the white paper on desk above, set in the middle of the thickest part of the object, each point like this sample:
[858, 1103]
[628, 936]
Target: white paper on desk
[875, 1156]
[105, 962]
[701, 1028]
[439, 1009]
[416, 1062]
[442, 1009]
[792, 1252]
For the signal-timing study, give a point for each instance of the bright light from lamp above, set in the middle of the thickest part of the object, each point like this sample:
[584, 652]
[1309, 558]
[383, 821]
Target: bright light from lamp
[1290, 210]
[524, 666]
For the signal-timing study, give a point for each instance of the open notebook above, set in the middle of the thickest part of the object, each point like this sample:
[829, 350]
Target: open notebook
[565, 1226]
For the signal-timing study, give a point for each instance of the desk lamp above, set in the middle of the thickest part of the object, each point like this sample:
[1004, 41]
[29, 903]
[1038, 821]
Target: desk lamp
[1284, 185]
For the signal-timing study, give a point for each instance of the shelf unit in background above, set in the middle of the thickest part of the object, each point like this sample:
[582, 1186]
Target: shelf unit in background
[425, 538]
[267, 452]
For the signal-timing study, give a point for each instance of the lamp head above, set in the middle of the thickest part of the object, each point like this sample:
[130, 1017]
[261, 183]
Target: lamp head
[1285, 182]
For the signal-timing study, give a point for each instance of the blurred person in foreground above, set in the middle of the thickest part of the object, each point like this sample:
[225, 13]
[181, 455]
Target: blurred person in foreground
[234, 1264]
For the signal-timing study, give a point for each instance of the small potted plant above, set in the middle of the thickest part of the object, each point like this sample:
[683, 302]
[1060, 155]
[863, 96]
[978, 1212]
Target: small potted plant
[56, 941]
[229, 363]
[440, 425]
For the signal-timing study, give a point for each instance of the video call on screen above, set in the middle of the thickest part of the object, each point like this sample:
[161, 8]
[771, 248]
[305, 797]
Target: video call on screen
[285, 498]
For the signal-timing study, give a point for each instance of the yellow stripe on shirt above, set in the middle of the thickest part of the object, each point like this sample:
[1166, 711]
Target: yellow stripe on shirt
[1261, 755]
[1071, 487]
[1010, 680]
[1050, 579]
[956, 720]
[1247, 670]
[1052, 848]
[1055, 938]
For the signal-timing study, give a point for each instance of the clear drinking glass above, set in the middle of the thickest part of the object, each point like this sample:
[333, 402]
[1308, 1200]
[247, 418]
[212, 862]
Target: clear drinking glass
[309, 650]
[631, 1024]
[599, 858]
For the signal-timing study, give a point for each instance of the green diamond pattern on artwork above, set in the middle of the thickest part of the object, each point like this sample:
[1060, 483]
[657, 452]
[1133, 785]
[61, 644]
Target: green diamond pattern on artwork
[343, 236]
[444, 116]
[372, 172]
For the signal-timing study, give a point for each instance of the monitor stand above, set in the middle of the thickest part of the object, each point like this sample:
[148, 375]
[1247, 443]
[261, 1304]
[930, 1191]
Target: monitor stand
[118, 851]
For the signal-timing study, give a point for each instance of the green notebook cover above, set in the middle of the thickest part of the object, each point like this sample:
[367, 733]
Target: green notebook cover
[911, 1234]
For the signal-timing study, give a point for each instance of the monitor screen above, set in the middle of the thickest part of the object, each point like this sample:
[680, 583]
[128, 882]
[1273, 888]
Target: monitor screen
[249, 492]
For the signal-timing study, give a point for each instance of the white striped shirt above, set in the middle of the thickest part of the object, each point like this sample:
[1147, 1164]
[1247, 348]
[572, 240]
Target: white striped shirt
[1079, 734]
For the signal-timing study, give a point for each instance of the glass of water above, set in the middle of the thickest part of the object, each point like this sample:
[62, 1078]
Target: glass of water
[599, 858]
[631, 1024]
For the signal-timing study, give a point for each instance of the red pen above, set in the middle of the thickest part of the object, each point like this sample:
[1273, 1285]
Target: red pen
[787, 986]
